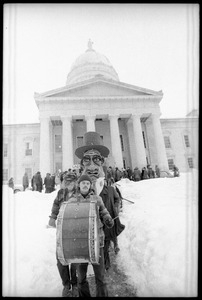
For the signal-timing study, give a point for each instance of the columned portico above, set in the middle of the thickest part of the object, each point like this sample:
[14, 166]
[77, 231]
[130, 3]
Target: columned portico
[115, 141]
[90, 123]
[139, 150]
[159, 142]
[45, 162]
[67, 143]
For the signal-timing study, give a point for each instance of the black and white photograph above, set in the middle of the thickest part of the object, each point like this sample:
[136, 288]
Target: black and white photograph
[100, 116]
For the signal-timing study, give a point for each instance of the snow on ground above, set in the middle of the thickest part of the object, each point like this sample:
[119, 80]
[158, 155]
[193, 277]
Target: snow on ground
[158, 246]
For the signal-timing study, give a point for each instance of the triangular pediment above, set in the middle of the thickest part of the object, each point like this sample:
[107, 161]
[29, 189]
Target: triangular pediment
[99, 88]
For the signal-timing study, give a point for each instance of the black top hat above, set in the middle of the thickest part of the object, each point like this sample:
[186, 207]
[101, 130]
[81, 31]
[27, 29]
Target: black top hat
[92, 140]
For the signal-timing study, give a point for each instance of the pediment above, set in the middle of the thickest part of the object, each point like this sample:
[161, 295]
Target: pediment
[100, 88]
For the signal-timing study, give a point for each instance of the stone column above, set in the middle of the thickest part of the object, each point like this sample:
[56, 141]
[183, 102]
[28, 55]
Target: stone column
[90, 123]
[139, 149]
[45, 149]
[159, 142]
[115, 142]
[67, 143]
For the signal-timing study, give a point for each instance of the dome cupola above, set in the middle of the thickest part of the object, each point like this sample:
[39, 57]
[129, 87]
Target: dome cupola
[91, 64]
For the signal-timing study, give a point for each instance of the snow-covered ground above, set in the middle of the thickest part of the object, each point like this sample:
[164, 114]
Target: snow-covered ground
[159, 246]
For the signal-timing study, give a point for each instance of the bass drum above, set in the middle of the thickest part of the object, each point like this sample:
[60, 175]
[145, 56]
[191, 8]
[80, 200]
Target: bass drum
[78, 233]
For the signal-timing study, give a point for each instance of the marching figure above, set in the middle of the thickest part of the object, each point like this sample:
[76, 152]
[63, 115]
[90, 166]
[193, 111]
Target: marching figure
[92, 155]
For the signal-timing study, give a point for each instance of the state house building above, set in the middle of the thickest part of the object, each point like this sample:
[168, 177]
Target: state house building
[94, 99]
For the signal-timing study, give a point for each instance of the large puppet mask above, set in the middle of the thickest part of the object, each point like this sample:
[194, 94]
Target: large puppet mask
[92, 158]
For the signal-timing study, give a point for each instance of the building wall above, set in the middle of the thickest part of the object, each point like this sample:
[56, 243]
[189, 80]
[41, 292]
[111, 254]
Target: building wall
[16, 136]
[176, 129]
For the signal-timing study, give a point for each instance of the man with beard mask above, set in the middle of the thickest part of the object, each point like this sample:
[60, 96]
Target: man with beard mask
[92, 155]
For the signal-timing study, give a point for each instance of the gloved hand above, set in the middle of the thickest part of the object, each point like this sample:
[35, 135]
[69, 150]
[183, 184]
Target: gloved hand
[52, 222]
[109, 223]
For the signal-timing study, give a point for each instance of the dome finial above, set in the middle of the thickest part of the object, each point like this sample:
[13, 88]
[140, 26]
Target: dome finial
[90, 43]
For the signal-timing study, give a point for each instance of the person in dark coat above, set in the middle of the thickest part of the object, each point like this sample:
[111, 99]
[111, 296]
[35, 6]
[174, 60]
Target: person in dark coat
[176, 171]
[52, 183]
[150, 172]
[32, 183]
[25, 181]
[114, 185]
[38, 182]
[136, 176]
[118, 174]
[48, 183]
[144, 174]
[11, 183]
[109, 176]
[157, 171]
[112, 202]
[129, 171]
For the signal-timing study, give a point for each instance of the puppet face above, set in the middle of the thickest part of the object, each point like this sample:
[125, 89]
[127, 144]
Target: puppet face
[92, 162]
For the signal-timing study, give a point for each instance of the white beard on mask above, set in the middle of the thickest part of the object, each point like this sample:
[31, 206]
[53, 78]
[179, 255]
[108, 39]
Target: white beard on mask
[98, 185]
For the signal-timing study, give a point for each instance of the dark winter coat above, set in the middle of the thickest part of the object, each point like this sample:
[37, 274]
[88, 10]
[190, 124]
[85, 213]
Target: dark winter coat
[144, 174]
[176, 171]
[136, 174]
[47, 181]
[11, 183]
[60, 198]
[38, 181]
[157, 170]
[151, 173]
[52, 183]
[117, 175]
[111, 201]
[129, 171]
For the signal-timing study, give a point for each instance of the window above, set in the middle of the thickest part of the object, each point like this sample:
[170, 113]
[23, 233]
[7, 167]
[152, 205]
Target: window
[58, 143]
[186, 140]
[167, 142]
[5, 174]
[5, 150]
[79, 141]
[29, 172]
[144, 140]
[170, 163]
[28, 151]
[124, 163]
[190, 162]
[122, 145]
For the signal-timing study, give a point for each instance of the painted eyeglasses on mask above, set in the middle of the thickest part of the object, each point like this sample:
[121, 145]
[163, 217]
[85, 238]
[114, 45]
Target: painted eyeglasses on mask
[97, 159]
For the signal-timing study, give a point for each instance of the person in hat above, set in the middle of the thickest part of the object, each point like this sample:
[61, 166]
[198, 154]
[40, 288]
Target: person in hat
[92, 155]
[67, 273]
[85, 193]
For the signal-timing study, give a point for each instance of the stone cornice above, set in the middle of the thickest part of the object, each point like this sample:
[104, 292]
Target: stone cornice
[97, 98]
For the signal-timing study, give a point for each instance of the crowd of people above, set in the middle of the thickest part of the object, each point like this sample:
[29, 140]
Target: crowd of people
[112, 175]
[115, 174]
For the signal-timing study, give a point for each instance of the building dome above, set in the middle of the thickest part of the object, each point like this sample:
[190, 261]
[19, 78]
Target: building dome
[91, 64]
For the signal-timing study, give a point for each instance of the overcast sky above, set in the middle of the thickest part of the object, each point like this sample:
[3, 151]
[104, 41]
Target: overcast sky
[153, 46]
